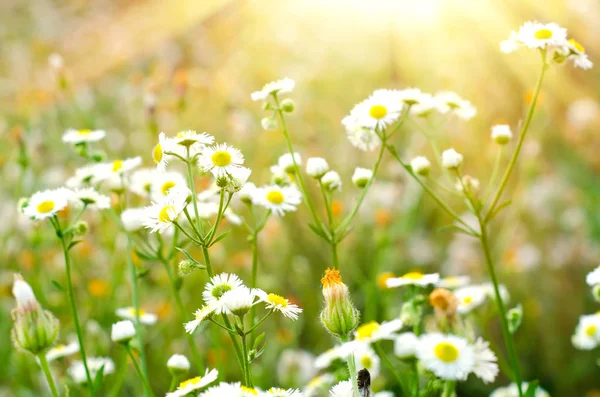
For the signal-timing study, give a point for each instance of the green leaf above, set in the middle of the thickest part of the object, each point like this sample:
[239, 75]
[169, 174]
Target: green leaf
[187, 255]
[58, 286]
[457, 229]
[74, 243]
[318, 231]
[531, 389]
[258, 340]
[143, 273]
[178, 283]
[497, 210]
[143, 255]
[98, 380]
[220, 237]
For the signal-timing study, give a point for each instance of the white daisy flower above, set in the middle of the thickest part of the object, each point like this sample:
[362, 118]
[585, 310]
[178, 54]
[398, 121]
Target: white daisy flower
[224, 389]
[133, 219]
[576, 52]
[200, 315]
[587, 333]
[159, 153]
[234, 181]
[425, 106]
[197, 383]
[141, 181]
[413, 278]
[62, 351]
[373, 331]
[122, 331]
[239, 301]
[80, 136]
[512, 391]
[469, 298]
[77, 370]
[220, 159]
[378, 111]
[129, 313]
[539, 35]
[45, 204]
[316, 167]
[162, 183]
[451, 159]
[178, 363]
[593, 277]
[332, 181]
[161, 215]
[318, 384]
[189, 138]
[405, 345]
[278, 303]
[279, 392]
[420, 165]
[286, 162]
[447, 356]
[452, 282]
[362, 176]
[217, 287]
[282, 86]
[342, 389]
[91, 198]
[448, 101]
[365, 357]
[412, 96]
[501, 133]
[120, 167]
[362, 138]
[278, 199]
[486, 366]
[247, 192]
[86, 176]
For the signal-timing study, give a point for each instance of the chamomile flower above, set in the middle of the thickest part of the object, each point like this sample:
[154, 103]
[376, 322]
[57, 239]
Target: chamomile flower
[587, 333]
[120, 167]
[316, 167]
[94, 364]
[239, 301]
[178, 363]
[593, 277]
[282, 86]
[129, 313]
[332, 181]
[512, 391]
[486, 362]
[539, 35]
[193, 384]
[164, 182]
[199, 315]
[501, 133]
[278, 303]
[451, 159]
[411, 96]
[469, 298]
[342, 389]
[450, 102]
[286, 162]
[362, 138]
[361, 177]
[122, 331]
[247, 192]
[133, 219]
[420, 165]
[79, 136]
[378, 111]
[161, 215]
[279, 392]
[413, 278]
[141, 181]
[189, 138]
[425, 106]
[576, 52]
[278, 199]
[60, 351]
[405, 345]
[452, 282]
[90, 198]
[159, 153]
[220, 159]
[373, 331]
[217, 287]
[223, 389]
[45, 204]
[365, 357]
[447, 356]
[86, 176]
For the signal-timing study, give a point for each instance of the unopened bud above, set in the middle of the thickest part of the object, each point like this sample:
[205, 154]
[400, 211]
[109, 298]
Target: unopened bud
[178, 364]
[361, 177]
[187, 267]
[122, 332]
[420, 165]
[501, 134]
[339, 316]
[332, 181]
[80, 228]
[287, 105]
[514, 317]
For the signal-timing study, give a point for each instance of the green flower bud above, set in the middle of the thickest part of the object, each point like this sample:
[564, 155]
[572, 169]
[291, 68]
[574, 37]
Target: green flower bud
[596, 292]
[339, 316]
[287, 105]
[187, 267]
[80, 228]
[23, 202]
[514, 317]
[411, 312]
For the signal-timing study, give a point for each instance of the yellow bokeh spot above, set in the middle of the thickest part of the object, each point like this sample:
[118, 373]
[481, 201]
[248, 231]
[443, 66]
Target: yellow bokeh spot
[277, 300]
[446, 352]
[84, 132]
[366, 330]
[383, 278]
[59, 348]
[590, 330]
[577, 46]
[166, 186]
[275, 197]
[98, 288]
[413, 276]
[336, 207]
[157, 153]
[543, 34]
[45, 206]
[378, 111]
[221, 158]
[467, 300]
[117, 165]
[163, 215]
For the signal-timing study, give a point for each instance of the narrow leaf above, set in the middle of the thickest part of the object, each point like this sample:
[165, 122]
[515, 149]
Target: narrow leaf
[498, 209]
[531, 389]
[188, 255]
[143, 272]
[455, 228]
[74, 243]
[58, 285]
[318, 231]
[220, 237]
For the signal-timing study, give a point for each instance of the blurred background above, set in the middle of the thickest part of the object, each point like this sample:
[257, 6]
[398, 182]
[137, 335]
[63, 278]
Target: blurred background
[138, 67]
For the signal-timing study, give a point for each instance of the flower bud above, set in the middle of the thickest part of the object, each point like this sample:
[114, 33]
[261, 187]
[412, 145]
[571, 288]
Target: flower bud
[470, 184]
[596, 292]
[268, 123]
[178, 364]
[81, 228]
[35, 330]
[501, 134]
[361, 177]
[420, 165]
[122, 332]
[514, 317]
[332, 181]
[287, 105]
[23, 202]
[187, 267]
[339, 316]
[410, 313]
[286, 162]
[316, 167]
[444, 304]
[451, 159]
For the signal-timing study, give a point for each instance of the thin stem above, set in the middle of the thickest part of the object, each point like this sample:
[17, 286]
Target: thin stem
[254, 243]
[48, 373]
[139, 371]
[449, 389]
[136, 306]
[193, 189]
[215, 322]
[494, 176]
[247, 378]
[186, 233]
[522, 135]
[173, 383]
[416, 380]
[262, 320]
[387, 362]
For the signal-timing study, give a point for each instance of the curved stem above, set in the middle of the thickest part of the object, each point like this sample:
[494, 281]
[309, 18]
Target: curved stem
[173, 383]
[139, 372]
[522, 135]
[387, 362]
[193, 189]
[46, 370]
[262, 320]
[495, 170]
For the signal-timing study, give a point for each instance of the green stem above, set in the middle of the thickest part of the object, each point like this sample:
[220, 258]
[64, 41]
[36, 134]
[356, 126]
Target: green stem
[494, 175]
[449, 389]
[417, 382]
[387, 362]
[247, 377]
[193, 189]
[46, 369]
[139, 372]
[136, 306]
[173, 383]
[352, 370]
[253, 278]
[522, 135]
[262, 320]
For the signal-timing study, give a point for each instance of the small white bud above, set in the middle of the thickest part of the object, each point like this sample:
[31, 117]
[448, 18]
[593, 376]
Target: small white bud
[332, 181]
[246, 192]
[286, 162]
[268, 123]
[316, 167]
[420, 165]
[361, 177]
[23, 293]
[451, 159]
[178, 364]
[501, 134]
[122, 331]
[470, 183]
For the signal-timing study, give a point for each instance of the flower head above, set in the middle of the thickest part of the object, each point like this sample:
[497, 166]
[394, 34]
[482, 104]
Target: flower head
[217, 287]
[278, 199]
[447, 356]
[80, 136]
[282, 86]
[339, 316]
[316, 167]
[420, 165]
[59, 351]
[159, 153]
[220, 159]
[78, 373]
[373, 331]
[194, 384]
[239, 301]
[122, 331]
[130, 313]
[414, 278]
[161, 215]
[45, 204]
[178, 364]
[486, 366]
[278, 303]
[189, 138]
[362, 177]
[199, 315]
[378, 111]
[451, 159]
[501, 134]
[469, 298]
[332, 181]
[587, 333]
[286, 162]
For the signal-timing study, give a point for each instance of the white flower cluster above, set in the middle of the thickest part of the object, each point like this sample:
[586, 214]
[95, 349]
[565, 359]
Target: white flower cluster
[587, 332]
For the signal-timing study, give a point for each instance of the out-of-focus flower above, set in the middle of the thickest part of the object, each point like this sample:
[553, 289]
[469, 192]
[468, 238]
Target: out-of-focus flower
[193, 384]
[316, 167]
[414, 278]
[361, 177]
[80, 136]
[130, 313]
[278, 199]
[282, 86]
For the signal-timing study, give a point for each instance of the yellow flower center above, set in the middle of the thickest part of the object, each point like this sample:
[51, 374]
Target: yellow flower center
[543, 34]
[590, 330]
[45, 206]
[181, 134]
[366, 330]
[163, 215]
[249, 390]
[117, 165]
[275, 196]
[277, 300]
[157, 153]
[446, 352]
[59, 348]
[84, 132]
[314, 382]
[378, 111]
[166, 187]
[366, 362]
[190, 382]
[139, 312]
[413, 276]
[467, 300]
[221, 158]
[577, 46]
